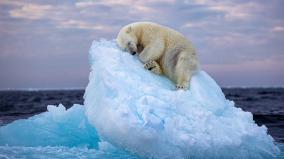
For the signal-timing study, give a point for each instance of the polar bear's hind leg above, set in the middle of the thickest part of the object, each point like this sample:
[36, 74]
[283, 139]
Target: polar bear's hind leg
[184, 70]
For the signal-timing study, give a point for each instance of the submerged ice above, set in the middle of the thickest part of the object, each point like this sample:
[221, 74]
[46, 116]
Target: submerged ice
[129, 112]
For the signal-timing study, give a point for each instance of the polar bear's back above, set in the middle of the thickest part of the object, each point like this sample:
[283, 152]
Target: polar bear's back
[171, 37]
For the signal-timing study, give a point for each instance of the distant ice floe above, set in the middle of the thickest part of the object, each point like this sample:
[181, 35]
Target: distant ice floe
[130, 112]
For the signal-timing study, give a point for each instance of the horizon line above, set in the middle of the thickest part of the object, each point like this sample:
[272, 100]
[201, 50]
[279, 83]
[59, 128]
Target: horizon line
[83, 88]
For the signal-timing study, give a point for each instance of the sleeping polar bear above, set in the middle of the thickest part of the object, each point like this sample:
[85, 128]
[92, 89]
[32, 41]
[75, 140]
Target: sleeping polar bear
[161, 49]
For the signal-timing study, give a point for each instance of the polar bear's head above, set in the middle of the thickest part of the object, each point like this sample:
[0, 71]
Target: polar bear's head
[127, 39]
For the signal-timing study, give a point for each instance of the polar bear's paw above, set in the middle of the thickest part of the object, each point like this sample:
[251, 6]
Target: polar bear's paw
[182, 86]
[153, 66]
[150, 65]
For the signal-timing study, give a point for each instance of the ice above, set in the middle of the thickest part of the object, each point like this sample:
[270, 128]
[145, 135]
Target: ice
[137, 110]
[56, 127]
[130, 112]
[57, 133]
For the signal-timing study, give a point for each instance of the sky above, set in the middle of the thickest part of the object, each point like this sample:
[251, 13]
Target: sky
[45, 43]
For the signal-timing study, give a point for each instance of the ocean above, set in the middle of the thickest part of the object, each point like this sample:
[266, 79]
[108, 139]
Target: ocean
[266, 104]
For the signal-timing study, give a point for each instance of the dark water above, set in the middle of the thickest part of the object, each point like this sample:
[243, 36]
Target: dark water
[266, 104]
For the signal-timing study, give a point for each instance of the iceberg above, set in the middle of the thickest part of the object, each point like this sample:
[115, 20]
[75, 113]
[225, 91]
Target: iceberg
[130, 112]
[141, 112]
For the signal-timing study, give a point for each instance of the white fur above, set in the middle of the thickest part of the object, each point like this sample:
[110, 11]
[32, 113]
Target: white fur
[161, 49]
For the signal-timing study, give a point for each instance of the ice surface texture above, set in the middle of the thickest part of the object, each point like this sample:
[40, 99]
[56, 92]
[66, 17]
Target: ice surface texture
[137, 110]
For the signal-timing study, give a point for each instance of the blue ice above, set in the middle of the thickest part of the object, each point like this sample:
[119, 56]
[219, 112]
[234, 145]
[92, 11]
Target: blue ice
[57, 133]
[130, 112]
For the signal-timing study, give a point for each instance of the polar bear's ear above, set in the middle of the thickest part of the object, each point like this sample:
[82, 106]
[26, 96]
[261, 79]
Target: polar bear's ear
[129, 29]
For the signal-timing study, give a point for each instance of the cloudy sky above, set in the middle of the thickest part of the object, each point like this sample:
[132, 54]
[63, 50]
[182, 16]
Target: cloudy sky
[45, 43]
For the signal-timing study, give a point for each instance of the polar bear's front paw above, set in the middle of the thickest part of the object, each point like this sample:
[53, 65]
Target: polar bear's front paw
[150, 65]
[153, 66]
[181, 86]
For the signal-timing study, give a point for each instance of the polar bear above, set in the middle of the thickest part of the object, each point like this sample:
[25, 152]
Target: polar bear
[161, 49]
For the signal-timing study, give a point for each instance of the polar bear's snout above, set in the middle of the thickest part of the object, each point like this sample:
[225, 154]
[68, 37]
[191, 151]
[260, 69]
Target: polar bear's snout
[132, 48]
